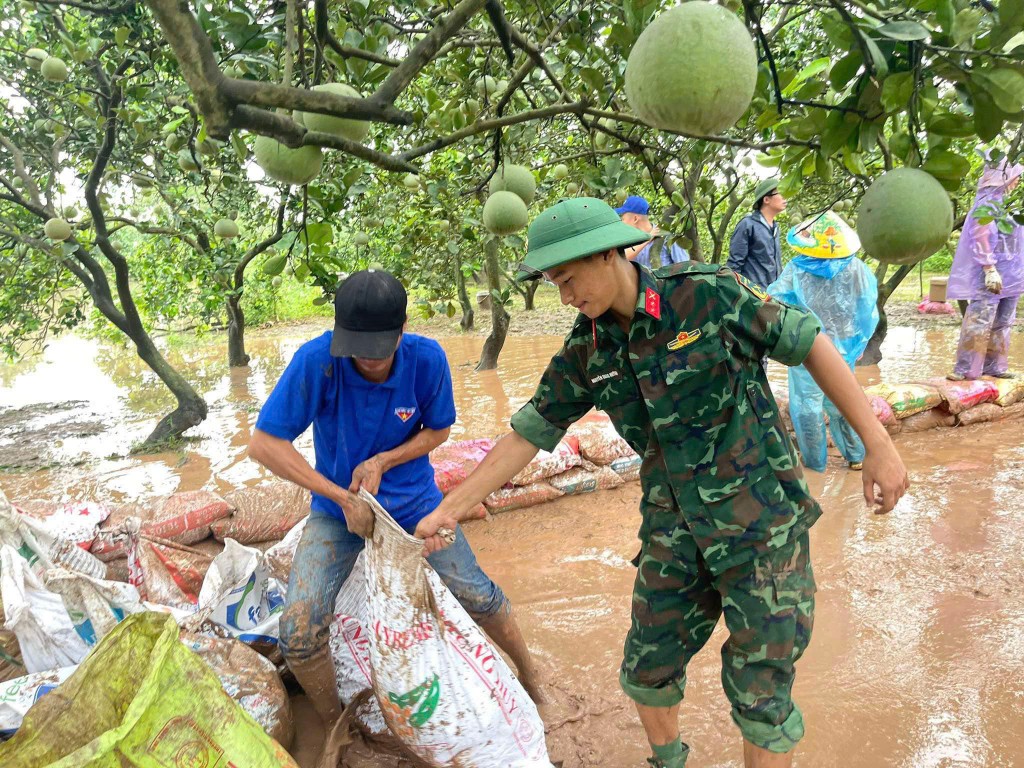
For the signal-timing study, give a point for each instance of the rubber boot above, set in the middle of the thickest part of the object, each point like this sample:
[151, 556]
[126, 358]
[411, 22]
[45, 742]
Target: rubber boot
[676, 762]
[316, 676]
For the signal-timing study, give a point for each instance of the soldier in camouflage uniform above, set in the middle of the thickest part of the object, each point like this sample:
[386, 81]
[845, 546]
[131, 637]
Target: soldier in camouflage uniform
[673, 358]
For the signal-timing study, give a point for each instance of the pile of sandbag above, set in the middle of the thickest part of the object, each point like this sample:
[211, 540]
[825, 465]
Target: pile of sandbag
[931, 403]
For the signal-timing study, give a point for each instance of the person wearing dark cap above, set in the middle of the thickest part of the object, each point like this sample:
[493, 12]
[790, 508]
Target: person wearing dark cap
[656, 252]
[755, 250]
[673, 357]
[379, 400]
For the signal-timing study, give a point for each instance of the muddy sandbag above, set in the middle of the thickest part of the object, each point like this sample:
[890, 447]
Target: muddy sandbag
[519, 496]
[280, 556]
[906, 399]
[263, 513]
[929, 307]
[586, 478]
[599, 442]
[250, 679]
[77, 522]
[454, 461]
[94, 605]
[1008, 391]
[163, 571]
[980, 414]
[41, 547]
[882, 410]
[958, 396]
[18, 695]
[1014, 411]
[895, 428]
[628, 467]
[182, 517]
[936, 417]
[544, 465]
[142, 700]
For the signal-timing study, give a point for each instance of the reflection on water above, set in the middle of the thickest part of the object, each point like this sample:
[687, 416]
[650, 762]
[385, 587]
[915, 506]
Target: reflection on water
[109, 384]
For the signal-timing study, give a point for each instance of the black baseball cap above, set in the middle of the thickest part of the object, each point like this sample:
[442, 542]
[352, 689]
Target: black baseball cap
[369, 313]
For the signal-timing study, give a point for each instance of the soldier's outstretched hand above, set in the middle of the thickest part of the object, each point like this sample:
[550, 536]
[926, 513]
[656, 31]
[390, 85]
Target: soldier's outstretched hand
[885, 478]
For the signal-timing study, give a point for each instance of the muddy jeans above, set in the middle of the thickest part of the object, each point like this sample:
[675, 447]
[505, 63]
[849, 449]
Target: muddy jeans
[985, 337]
[323, 561]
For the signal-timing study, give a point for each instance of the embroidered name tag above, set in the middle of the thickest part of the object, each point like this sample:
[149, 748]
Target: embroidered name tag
[604, 376]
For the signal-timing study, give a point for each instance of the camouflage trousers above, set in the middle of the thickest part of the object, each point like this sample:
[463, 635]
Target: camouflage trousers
[768, 604]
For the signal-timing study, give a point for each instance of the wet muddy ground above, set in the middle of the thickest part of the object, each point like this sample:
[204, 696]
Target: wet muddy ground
[917, 659]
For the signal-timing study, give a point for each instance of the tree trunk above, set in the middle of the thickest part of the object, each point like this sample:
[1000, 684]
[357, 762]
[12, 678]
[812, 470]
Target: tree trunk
[236, 332]
[531, 290]
[499, 317]
[873, 352]
[466, 323]
[191, 408]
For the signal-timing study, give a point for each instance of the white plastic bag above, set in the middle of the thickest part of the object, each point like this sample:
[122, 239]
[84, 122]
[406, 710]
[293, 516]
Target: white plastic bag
[18, 695]
[239, 595]
[94, 605]
[279, 557]
[37, 617]
[443, 690]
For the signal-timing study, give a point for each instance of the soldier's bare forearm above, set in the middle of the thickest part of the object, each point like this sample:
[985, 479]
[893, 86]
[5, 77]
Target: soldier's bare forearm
[509, 455]
[831, 373]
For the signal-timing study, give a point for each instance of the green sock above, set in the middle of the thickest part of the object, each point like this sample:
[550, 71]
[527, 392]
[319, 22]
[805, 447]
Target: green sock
[672, 754]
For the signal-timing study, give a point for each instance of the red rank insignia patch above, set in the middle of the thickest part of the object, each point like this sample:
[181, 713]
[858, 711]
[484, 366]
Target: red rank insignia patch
[652, 303]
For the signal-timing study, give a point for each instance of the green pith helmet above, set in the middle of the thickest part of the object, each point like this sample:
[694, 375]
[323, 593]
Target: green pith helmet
[765, 187]
[571, 230]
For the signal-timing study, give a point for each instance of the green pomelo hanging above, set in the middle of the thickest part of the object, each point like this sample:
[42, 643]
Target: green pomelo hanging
[57, 229]
[35, 57]
[560, 171]
[54, 69]
[225, 228]
[904, 217]
[505, 213]
[692, 70]
[346, 128]
[514, 178]
[289, 166]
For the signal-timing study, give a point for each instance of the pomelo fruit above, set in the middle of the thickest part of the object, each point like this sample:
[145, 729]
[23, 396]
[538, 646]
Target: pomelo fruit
[54, 69]
[692, 70]
[560, 171]
[514, 178]
[287, 165]
[174, 142]
[904, 217]
[444, 225]
[57, 229]
[572, 188]
[486, 86]
[411, 181]
[360, 238]
[353, 130]
[225, 228]
[505, 213]
[35, 57]
[186, 162]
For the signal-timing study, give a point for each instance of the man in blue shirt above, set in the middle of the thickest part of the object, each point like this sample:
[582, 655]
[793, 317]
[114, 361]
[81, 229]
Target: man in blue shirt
[755, 250]
[379, 401]
[634, 211]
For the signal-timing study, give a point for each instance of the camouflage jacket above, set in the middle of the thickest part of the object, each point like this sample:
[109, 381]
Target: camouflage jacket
[687, 391]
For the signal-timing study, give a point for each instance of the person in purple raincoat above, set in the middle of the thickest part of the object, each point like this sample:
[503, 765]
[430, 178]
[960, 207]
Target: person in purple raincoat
[988, 272]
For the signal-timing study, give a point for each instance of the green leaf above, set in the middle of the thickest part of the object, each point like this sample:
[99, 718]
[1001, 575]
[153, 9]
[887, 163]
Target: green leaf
[949, 124]
[838, 131]
[854, 163]
[946, 165]
[275, 265]
[897, 90]
[878, 62]
[945, 14]
[903, 30]
[844, 70]
[1011, 21]
[812, 69]
[823, 167]
[988, 119]
[966, 23]
[1005, 86]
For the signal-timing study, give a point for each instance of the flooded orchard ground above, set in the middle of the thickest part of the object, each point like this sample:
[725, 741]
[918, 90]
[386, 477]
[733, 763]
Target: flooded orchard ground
[917, 659]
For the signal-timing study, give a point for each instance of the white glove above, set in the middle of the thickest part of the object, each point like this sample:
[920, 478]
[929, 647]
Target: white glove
[993, 281]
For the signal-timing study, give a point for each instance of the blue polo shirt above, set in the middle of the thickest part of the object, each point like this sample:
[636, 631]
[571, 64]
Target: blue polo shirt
[354, 419]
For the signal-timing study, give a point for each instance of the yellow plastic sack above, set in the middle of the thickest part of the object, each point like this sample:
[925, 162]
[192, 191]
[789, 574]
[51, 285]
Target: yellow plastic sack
[141, 699]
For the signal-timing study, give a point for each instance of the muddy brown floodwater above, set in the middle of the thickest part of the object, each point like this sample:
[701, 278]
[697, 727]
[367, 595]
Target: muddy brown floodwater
[917, 658]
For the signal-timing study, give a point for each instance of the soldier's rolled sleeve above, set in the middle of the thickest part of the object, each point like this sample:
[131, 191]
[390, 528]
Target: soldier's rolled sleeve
[762, 326]
[561, 398]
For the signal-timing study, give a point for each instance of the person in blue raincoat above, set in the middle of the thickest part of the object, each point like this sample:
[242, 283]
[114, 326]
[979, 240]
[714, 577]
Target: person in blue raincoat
[842, 292]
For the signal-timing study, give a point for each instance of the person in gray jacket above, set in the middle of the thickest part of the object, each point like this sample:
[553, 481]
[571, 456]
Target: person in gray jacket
[754, 250]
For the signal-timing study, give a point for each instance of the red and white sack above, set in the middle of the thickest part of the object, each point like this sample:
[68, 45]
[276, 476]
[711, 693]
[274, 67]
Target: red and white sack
[39, 547]
[599, 442]
[442, 688]
[453, 462]
[585, 479]
[183, 517]
[517, 497]
[263, 513]
[929, 307]
[37, 617]
[958, 396]
[544, 465]
[76, 522]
